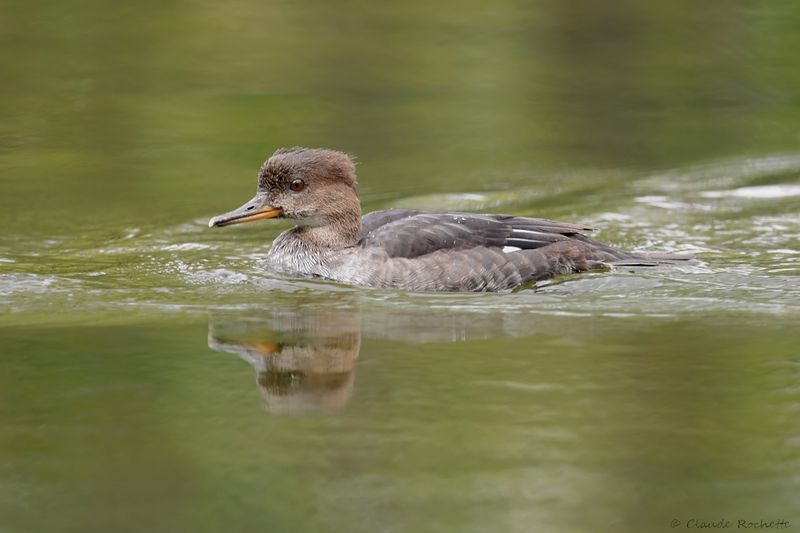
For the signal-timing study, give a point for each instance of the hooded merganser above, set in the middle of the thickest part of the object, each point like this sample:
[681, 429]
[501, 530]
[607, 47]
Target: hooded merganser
[404, 249]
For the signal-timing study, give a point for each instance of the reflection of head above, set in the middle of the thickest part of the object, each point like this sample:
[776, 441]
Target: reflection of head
[305, 357]
[311, 376]
[303, 361]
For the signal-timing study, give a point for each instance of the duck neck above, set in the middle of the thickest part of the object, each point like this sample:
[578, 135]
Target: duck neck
[341, 232]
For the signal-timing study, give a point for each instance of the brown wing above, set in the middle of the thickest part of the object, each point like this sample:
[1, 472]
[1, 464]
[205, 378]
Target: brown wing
[413, 234]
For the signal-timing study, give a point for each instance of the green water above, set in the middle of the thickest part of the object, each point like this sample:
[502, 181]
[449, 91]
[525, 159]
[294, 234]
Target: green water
[154, 376]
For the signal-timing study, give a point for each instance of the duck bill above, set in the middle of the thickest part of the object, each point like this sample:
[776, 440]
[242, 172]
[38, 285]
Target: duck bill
[255, 209]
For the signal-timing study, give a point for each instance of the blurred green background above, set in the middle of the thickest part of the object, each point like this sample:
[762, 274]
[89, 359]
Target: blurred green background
[612, 401]
[174, 104]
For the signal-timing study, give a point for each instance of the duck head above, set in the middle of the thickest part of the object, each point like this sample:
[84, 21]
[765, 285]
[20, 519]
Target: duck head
[314, 187]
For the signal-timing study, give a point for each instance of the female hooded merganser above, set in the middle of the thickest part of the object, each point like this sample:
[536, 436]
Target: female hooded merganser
[403, 249]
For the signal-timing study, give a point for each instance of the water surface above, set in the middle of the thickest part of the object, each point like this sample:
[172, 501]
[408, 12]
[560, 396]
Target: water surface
[155, 376]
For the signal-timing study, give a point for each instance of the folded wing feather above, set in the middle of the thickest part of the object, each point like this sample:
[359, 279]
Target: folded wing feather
[411, 234]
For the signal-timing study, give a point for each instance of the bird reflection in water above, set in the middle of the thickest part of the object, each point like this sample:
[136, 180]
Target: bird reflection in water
[304, 360]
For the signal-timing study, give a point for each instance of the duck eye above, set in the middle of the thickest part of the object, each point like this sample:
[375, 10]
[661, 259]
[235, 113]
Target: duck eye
[297, 185]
